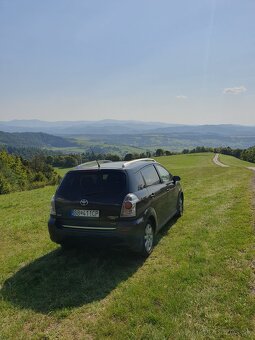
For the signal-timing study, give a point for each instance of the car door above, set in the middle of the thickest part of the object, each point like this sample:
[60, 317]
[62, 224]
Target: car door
[171, 188]
[157, 192]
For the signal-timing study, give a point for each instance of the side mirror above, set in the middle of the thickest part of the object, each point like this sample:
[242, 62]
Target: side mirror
[176, 178]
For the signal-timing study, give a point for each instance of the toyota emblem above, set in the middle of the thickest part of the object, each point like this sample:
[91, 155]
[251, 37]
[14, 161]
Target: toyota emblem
[84, 202]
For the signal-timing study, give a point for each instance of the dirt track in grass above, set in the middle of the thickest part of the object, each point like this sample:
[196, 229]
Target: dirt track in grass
[217, 162]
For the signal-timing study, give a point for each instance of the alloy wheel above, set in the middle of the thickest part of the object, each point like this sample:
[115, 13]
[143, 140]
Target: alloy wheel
[148, 238]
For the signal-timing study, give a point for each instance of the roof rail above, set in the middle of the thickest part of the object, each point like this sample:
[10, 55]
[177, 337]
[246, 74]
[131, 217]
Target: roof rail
[138, 160]
[92, 164]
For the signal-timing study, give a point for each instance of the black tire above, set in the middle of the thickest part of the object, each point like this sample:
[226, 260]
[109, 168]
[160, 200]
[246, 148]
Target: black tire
[148, 240]
[180, 207]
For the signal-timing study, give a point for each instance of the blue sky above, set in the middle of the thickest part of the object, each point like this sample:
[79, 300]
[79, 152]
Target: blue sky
[174, 61]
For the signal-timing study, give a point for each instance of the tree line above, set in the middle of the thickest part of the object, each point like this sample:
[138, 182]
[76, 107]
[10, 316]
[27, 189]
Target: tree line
[59, 159]
[28, 152]
[71, 160]
[244, 154]
[17, 174]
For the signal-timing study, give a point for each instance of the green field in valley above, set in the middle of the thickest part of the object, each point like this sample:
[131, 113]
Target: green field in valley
[99, 147]
[197, 283]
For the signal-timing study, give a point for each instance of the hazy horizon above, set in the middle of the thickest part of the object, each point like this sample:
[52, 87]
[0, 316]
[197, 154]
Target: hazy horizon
[116, 120]
[180, 62]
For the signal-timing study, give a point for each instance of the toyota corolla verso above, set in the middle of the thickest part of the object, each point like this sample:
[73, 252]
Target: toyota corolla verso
[123, 201]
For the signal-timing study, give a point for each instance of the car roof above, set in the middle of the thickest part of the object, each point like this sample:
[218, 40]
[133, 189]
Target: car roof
[120, 165]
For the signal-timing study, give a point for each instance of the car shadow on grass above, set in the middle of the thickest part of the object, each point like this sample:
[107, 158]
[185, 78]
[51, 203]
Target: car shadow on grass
[71, 278]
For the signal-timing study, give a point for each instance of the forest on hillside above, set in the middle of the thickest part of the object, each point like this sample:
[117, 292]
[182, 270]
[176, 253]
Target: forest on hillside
[17, 174]
[38, 139]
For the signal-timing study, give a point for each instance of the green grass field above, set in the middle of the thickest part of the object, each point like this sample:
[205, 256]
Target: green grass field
[233, 161]
[62, 171]
[197, 284]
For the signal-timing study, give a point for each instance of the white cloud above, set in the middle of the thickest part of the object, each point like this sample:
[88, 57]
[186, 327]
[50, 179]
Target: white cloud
[181, 97]
[235, 90]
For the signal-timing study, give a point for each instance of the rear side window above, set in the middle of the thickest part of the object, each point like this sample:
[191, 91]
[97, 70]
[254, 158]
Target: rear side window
[139, 181]
[150, 175]
[78, 184]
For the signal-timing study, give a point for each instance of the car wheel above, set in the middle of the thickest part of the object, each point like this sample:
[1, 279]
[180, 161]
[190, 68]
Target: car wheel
[179, 212]
[148, 240]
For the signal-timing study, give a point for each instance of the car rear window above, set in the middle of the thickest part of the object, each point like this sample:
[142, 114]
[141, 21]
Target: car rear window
[77, 184]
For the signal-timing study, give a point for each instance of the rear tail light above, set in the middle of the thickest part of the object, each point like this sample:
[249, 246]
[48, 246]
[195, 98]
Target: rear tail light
[53, 207]
[129, 206]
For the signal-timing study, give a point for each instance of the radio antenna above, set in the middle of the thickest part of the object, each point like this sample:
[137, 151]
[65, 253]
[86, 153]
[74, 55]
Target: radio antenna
[95, 157]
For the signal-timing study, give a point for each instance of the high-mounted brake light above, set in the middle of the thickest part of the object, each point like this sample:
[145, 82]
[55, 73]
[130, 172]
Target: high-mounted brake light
[52, 205]
[129, 206]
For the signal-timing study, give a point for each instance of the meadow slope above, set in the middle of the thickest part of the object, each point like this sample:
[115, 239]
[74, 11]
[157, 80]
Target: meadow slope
[233, 161]
[197, 284]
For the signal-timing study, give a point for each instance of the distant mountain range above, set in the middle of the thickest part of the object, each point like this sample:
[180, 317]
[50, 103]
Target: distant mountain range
[119, 127]
[147, 135]
[107, 126]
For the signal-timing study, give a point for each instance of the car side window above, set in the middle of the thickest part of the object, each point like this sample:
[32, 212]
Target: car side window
[164, 174]
[150, 175]
[139, 181]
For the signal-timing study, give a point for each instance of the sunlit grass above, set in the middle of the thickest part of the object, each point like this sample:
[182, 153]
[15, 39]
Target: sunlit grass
[62, 171]
[196, 284]
[233, 161]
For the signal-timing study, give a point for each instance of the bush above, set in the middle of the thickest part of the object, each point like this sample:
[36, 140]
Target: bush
[17, 174]
[5, 187]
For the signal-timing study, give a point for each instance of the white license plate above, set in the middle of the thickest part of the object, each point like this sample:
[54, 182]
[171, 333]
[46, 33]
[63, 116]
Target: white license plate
[85, 213]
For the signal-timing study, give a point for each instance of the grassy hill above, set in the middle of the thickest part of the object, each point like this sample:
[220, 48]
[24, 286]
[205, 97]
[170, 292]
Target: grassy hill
[233, 161]
[35, 139]
[197, 283]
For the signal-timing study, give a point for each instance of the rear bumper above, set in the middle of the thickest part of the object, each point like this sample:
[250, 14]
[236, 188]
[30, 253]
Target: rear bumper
[127, 231]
